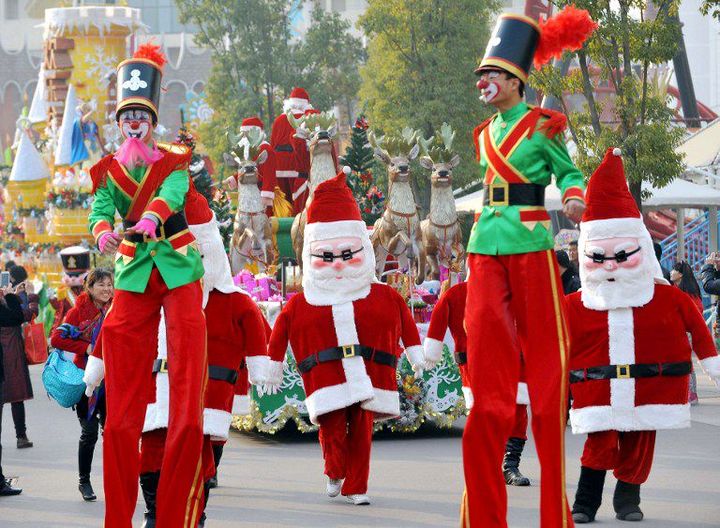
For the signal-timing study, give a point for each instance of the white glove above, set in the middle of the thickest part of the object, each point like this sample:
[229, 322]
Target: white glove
[241, 404]
[94, 374]
[268, 389]
[419, 370]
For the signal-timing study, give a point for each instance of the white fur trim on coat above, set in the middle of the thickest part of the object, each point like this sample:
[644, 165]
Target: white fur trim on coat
[334, 397]
[241, 405]
[344, 323]
[286, 174]
[523, 396]
[267, 194]
[385, 404]
[300, 190]
[711, 366]
[640, 418]
[433, 350]
[94, 372]
[274, 372]
[216, 423]
[621, 350]
[469, 398]
[257, 367]
[415, 356]
[157, 413]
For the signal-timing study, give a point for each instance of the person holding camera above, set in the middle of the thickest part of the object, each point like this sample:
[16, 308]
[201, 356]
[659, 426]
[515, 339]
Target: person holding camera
[710, 277]
[11, 315]
[18, 387]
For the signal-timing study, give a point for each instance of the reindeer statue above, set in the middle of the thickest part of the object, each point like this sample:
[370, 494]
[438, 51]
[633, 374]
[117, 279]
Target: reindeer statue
[397, 231]
[441, 233]
[252, 236]
[318, 130]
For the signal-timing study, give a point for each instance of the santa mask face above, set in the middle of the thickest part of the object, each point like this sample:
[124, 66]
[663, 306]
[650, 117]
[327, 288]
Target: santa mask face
[616, 272]
[339, 267]
[136, 124]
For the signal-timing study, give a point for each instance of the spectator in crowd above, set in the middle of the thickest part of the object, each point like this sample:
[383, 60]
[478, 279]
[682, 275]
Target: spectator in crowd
[710, 277]
[75, 336]
[11, 315]
[568, 273]
[572, 253]
[683, 277]
[18, 387]
[658, 254]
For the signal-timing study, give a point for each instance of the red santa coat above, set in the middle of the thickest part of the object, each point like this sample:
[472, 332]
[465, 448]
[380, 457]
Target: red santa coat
[235, 331]
[381, 320]
[268, 176]
[449, 312]
[654, 333]
[288, 164]
[241, 402]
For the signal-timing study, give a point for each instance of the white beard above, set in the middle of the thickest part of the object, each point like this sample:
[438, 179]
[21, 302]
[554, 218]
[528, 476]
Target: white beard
[632, 287]
[322, 288]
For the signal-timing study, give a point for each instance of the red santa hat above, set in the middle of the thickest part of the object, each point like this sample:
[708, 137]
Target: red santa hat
[299, 93]
[251, 122]
[299, 101]
[611, 210]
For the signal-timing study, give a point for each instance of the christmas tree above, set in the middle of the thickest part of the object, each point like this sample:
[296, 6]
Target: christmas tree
[217, 198]
[360, 158]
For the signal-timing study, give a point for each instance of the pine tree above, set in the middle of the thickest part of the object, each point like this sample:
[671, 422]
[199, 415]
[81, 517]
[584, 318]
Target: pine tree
[359, 154]
[222, 208]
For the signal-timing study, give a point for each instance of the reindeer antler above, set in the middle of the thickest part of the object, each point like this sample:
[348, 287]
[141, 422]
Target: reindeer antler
[321, 121]
[425, 144]
[447, 134]
[246, 144]
[443, 153]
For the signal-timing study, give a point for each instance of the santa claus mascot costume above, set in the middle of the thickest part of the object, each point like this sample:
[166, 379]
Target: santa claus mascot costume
[156, 266]
[449, 312]
[236, 335]
[630, 356]
[344, 330]
[292, 162]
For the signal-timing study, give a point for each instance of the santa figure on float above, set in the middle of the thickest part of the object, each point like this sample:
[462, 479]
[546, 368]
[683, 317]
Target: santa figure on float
[630, 355]
[344, 330]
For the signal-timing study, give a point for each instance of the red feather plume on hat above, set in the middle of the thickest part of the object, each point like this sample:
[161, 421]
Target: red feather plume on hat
[151, 52]
[566, 31]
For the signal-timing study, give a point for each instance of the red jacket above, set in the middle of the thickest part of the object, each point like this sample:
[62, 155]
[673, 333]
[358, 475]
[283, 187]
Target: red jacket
[651, 334]
[84, 315]
[380, 321]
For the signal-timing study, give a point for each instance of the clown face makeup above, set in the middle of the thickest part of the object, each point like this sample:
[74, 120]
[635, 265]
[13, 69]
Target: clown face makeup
[136, 124]
[489, 85]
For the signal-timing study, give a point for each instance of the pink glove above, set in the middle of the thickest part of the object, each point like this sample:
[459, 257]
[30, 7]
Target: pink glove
[146, 226]
[107, 237]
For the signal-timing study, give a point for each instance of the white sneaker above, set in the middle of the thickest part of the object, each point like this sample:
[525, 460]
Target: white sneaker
[358, 500]
[333, 487]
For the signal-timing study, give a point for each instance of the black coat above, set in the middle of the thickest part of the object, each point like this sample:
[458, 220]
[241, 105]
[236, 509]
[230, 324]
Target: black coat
[11, 314]
[570, 281]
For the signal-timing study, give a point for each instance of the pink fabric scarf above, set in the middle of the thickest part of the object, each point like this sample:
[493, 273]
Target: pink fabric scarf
[134, 152]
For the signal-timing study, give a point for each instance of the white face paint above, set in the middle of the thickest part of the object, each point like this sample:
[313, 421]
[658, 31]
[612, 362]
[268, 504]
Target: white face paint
[136, 124]
[490, 88]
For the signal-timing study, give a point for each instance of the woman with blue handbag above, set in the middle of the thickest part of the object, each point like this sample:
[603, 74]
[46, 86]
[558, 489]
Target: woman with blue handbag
[75, 337]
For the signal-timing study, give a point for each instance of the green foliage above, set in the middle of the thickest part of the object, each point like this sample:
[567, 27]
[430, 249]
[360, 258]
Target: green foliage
[711, 7]
[361, 160]
[419, 71]
[222, 208]
[624, 52]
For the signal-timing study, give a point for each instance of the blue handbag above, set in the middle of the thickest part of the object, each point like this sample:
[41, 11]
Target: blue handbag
[62, 379]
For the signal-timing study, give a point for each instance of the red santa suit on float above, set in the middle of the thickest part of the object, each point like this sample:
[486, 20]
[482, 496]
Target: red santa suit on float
[449, 312]
[630, 356]
[236, 333]
[292, 162]
[344, 331]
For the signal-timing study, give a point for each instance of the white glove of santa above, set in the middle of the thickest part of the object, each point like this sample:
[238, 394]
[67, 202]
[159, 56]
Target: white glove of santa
[94, 374]
[241, 404]
[417, 359]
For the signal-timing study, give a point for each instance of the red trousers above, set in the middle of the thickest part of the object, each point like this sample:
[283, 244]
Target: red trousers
[519, 428]
[514, 303]
[152, 451]
[346, 440]
[629, 454]
[129, 341]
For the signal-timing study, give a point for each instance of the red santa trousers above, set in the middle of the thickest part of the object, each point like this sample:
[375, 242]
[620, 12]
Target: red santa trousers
[152, 450]
[514, 303]
[519, 428]
[346, 440]
[129, 341]
[629, 454]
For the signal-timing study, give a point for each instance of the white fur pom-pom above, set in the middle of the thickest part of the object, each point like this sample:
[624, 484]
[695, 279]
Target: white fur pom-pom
[617, 152]
[347, 170]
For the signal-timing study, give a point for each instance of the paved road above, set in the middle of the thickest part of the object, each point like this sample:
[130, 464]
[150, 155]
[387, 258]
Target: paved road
[416, 480]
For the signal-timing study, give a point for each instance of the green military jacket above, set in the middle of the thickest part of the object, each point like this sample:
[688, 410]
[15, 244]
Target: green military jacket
[535, 157]
[159, 190]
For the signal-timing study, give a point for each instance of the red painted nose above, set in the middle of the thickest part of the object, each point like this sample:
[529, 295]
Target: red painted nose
[134, 125]
[482, 84]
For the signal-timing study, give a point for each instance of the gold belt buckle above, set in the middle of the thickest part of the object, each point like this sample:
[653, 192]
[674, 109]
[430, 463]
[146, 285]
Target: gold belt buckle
[623, 371]
[348, 351]
[146, 238]
[506, 194]
[163, 366]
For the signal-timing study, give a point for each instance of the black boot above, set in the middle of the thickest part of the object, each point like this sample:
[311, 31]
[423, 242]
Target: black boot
[149, 485]
[589, 495]
[86, 489]
[6, 489]
[511, 463]
[626, 502]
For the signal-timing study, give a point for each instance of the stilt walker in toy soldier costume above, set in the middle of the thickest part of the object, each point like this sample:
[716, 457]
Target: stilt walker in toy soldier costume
[630, 357]
[292, 167]
[236, 334]
[514, 294]
[156, 266]
[345, 330]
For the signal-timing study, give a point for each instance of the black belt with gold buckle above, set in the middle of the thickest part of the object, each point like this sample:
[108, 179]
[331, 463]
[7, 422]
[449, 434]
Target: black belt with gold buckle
[172, 226]
[503, 194]
[215, 372]
[347, 351]
[638, 370]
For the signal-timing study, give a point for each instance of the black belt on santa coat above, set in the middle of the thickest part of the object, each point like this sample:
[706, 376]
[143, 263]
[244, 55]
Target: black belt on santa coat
[461, 358]
[340, 352]
[638, 370]
[215, 372]
[172, 226]
[285, 147]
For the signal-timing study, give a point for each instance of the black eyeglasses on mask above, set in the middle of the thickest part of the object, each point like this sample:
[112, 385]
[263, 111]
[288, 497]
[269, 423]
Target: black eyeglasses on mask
[621, 256]
[329, 256]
